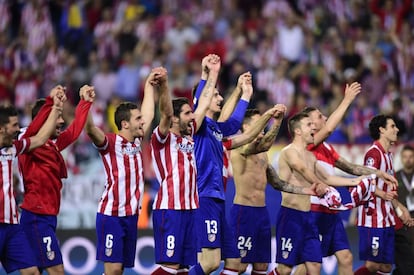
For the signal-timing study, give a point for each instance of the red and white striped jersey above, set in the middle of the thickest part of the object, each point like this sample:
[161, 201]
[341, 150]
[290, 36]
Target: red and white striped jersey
[382, 213]
[226, 163]
[175, 168]
[9, 212]
[124, 185]
[326, 157]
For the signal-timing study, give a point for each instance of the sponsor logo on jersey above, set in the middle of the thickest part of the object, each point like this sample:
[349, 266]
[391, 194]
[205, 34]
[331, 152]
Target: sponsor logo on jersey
[185, 147]
[131, 150]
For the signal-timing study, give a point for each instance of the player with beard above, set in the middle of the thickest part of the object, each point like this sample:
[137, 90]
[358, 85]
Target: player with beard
[14, 254]
[334, 240]
[174, 164]
[296, 233]
[42, 172]
[121, 154]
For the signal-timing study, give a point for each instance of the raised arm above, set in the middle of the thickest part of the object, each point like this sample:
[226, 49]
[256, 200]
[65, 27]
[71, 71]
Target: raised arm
[94, 132]
[159, 78]
[351, 91]
[231, 102]
[50, 124]
[268, 139]
[203, 81]
[359, 170]
[250, 134]
[213, 66]
[147, 105]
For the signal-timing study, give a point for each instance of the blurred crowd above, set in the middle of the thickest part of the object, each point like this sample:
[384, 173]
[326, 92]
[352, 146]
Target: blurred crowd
[300, 53]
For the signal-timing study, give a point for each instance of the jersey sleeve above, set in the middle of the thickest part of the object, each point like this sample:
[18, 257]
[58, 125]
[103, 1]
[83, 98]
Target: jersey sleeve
[68, 136]
[157, 139]
[227, 143]
[22, 145]
[198, 91]
[233, 124]
[373, 159]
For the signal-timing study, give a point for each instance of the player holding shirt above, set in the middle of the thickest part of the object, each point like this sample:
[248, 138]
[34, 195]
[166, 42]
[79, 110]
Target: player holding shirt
[216, 239]
[330, 227]
[376, 220]
[296, 233]
[118, 209]
[14, 254]
[252, 171]
[42, 170]
[174, 165]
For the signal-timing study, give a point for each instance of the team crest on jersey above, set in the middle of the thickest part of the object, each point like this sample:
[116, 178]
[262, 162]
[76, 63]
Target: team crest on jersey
[211, 237]
[108, 252]
[50, 255]
[243, 253]
[285, 254]
[370, 162]
[170, 253]
[375, 252]
[390, 172]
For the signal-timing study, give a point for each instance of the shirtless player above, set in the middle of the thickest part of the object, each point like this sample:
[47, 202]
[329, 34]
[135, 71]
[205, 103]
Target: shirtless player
[296, 233]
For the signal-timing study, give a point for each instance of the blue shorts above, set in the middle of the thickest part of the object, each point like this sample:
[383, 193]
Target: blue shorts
[116, 239]
[331, 232]
[253, 233]
[297, 238]
[41, 233]
[174, 235]
[213, 231]
[14, 254]
[376, 244]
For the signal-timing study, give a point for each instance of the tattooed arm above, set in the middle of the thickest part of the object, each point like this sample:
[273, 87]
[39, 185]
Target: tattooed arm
[281, 185]
[359, 170]
[264, 144]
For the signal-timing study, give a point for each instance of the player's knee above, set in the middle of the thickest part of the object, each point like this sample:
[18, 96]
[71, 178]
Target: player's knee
[30, 271]
[210, 265]
[55, 270]
[313, 268]
[113, 269]
[386, 268]
[242, 268]
[284, 269]
[345, 258]
[210, 260]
